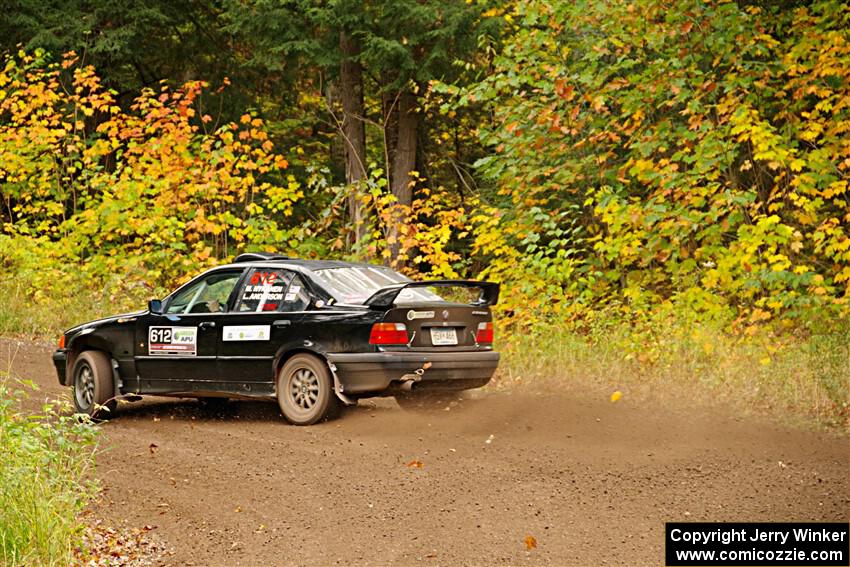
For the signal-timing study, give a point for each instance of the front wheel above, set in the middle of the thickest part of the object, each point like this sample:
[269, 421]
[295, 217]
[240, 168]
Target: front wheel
[305, 390]
[93, 388]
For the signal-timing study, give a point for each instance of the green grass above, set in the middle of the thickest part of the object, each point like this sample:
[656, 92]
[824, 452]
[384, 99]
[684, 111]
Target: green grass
[46, 316]
[46, 463]
[802, 377]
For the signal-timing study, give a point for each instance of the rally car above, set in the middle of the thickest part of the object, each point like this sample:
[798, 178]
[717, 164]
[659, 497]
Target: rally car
[311, 334]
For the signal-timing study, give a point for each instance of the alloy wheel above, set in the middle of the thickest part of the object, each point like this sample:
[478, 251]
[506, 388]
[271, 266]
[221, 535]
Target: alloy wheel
[84, 386]
[304, 388]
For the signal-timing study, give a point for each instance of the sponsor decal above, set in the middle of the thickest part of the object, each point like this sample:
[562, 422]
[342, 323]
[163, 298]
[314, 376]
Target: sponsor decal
[293, 292]
[173, 341]
[246, 333]
[265, 288]
[259, 292]
[484, 313]
[411, 315]
[264, 278]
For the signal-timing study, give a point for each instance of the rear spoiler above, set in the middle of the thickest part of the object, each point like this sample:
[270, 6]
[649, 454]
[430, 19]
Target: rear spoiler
[384, 297]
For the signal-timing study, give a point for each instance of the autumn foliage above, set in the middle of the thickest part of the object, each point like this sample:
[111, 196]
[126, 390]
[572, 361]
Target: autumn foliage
[649, 154]
[150, 193]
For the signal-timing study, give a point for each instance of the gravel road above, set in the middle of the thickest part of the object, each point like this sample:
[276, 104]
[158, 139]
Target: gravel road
[591, 481]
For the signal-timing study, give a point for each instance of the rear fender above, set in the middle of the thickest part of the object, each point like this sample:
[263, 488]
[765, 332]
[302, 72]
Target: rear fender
[287, 351]
[319, 352]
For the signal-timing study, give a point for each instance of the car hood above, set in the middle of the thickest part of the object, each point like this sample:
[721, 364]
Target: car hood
[100, 322]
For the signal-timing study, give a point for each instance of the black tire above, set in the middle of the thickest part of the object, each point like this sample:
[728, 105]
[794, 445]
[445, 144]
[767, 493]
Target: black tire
[415, 401]
[92, 388]
[305, 390]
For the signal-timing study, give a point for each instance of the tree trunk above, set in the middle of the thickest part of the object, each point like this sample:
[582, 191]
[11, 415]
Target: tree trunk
[389, 110]
[404, 162]
[336, 148]
[353, 129]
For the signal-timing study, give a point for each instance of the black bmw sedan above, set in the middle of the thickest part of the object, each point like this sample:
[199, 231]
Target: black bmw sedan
[311, 334]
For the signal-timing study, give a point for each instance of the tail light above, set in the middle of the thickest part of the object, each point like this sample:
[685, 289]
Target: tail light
[388, 334]
[62, 341]
[485, 333]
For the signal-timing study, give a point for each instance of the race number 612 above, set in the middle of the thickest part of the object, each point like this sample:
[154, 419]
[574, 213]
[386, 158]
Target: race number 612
[160, 336]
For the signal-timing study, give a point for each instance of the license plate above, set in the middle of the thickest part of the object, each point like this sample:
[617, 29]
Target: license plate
[442, 337]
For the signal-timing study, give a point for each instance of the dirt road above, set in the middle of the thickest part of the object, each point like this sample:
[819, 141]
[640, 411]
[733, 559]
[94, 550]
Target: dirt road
[592, 481]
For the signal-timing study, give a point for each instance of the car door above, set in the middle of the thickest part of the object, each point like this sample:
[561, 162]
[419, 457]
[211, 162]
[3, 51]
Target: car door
[176, 351]
[269, 305]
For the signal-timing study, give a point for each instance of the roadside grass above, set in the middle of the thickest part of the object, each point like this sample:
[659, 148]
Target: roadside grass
[21, 315]
[798, 378]
[46, 466]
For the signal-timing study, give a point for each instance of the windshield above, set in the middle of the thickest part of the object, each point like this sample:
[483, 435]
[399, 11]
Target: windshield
[356, 284]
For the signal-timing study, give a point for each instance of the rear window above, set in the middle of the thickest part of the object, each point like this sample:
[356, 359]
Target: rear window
[356, 284]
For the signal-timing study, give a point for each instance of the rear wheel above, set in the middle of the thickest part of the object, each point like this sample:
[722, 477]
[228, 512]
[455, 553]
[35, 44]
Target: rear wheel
[426, 400]
[305, 390]
[93, 388]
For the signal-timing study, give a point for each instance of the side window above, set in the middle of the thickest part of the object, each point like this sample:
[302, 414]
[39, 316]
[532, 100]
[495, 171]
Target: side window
[297, 297]
[270, 290]
[264, 290]
[207, 295]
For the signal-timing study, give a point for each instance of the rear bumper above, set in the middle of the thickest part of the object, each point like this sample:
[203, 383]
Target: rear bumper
[60, 361]
[374, 372]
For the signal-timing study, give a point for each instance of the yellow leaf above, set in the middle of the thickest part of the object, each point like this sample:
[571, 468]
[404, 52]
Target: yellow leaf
[616, 395]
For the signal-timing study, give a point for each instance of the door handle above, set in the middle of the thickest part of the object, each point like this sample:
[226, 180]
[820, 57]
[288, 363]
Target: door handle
[207, 325]
[282, 323]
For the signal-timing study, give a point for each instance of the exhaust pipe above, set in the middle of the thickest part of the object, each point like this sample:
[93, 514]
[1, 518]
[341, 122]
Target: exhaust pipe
[409, 380]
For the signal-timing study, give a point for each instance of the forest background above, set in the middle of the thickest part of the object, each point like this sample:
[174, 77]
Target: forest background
[660, 187]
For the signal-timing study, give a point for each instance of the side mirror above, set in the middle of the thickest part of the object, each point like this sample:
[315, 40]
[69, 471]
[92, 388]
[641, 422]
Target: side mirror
[155, 306]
